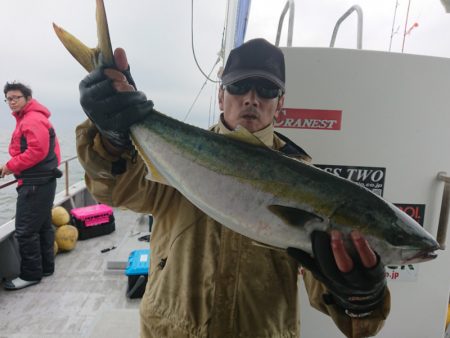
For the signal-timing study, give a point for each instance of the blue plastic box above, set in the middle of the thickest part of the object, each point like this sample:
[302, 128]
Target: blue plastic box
[137, 272]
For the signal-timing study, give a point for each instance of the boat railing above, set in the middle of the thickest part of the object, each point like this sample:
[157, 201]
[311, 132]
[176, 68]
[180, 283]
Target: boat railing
[64, 163]
[290, 5]
[445, 210]
[359, 12]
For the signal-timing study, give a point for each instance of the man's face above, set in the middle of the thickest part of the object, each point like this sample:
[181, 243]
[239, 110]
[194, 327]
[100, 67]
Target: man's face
[250, 104]
[16, 100]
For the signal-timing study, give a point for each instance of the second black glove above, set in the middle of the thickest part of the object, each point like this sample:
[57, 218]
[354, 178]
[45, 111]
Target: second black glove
[357, 292]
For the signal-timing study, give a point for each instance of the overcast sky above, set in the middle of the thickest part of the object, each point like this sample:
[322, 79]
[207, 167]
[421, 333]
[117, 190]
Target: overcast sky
[156, 36]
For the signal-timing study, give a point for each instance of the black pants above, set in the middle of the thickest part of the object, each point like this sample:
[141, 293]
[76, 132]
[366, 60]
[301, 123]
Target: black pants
[34, 230]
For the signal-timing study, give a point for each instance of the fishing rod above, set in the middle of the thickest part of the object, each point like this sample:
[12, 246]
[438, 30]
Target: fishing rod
[8, 184]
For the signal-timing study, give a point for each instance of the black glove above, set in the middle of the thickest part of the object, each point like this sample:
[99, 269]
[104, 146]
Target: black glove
[357, 292]
[112, 112]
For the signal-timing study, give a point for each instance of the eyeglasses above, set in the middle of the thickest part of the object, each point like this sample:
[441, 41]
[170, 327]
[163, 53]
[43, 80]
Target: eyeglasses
[263, 91]
[13, 98]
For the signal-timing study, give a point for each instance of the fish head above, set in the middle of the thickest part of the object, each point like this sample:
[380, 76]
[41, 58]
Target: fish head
[395, 236]
[403, 241]
[421, 246]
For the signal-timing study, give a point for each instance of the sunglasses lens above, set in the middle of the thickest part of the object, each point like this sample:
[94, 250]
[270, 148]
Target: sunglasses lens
[238, 88]
[267, 93]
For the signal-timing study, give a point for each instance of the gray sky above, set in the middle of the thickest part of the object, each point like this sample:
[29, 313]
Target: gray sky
[156, 36]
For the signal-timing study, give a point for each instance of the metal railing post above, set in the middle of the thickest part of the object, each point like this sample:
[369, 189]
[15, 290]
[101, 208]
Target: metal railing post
[66, 172]
[290, 5]
[359, 12]
[441, 235]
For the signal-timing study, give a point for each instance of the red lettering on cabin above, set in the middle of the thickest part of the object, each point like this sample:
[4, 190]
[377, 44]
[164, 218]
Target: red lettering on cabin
[309, 119]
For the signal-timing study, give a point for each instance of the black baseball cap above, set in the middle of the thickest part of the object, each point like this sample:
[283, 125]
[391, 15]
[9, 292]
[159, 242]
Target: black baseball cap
[255, 58]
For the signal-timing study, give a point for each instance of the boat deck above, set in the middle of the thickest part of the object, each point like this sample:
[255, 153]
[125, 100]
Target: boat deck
[86, 296]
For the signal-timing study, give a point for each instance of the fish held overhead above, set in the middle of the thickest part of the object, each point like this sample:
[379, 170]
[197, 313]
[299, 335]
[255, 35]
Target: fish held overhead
[264, 195]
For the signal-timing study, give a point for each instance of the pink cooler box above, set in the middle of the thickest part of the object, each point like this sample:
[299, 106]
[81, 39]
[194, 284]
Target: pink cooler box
[93, 220]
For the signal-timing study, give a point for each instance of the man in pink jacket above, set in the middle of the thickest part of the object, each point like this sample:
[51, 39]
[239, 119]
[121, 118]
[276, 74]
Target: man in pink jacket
[35, 156]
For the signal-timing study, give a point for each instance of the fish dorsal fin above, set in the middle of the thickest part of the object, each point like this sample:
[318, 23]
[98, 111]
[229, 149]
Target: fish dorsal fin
[294, 216]
[243, 135]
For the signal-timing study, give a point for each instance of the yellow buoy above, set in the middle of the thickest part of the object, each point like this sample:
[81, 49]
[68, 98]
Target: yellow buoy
[60, 216]
[66, 237]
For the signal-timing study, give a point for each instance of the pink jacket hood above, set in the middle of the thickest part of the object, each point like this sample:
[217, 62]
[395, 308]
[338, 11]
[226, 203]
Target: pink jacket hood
[34, 106]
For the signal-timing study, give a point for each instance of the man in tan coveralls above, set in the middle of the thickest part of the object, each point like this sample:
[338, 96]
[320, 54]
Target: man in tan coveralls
[206, 280]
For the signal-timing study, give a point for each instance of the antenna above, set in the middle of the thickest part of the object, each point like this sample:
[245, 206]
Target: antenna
[406, 24]
[393, 24]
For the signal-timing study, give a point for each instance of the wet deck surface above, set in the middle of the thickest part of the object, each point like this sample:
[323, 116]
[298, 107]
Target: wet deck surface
[82, 298]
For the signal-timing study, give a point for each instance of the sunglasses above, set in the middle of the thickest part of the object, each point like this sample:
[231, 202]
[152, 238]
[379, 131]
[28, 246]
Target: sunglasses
[263, 90]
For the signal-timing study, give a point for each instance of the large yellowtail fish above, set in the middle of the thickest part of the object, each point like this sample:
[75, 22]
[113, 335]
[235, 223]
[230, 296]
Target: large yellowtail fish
[259, 192]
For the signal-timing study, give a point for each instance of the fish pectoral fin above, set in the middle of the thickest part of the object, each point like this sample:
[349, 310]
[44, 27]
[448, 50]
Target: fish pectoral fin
[243, 135]
[294, 216]
[90, 58]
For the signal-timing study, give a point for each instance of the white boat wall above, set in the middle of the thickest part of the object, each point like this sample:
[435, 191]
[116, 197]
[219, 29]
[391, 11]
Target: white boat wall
[381, 119]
